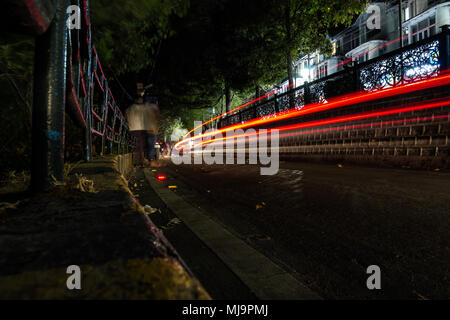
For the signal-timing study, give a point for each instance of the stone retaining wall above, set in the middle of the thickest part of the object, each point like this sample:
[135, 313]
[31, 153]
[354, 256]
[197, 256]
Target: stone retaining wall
[418, 139]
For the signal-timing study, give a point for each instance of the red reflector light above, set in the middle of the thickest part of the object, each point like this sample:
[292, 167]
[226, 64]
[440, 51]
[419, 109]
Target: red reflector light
[161, 177]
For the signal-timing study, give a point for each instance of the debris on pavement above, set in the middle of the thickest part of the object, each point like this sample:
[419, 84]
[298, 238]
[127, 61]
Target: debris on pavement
[84, 184]
[172, 223]
[8, 205]
[149, 209]
[260, 205]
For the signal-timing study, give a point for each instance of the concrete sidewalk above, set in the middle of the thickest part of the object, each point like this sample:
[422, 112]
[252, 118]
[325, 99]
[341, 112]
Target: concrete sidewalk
[94, 222]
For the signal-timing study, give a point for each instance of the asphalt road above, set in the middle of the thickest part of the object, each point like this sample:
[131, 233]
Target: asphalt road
[326, 223]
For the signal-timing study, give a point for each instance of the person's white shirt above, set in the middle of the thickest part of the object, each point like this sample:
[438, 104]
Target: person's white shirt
[143, 117]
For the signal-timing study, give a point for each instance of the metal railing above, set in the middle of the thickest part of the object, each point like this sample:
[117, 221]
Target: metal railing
[421, 60]
[69, 79]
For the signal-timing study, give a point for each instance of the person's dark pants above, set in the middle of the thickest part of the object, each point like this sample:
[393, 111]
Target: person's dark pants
[139, 151]
[151, 141]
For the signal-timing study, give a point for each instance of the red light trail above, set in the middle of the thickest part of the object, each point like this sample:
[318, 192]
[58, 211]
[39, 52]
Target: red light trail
[237, 108]
[357, 126]
[359, 116]
[346, 127]
[337, 102]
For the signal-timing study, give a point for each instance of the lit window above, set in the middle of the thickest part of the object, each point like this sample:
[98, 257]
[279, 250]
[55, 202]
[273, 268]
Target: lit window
[406, 14]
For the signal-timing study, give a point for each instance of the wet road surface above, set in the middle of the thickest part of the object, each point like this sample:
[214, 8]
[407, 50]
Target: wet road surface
[326, 223]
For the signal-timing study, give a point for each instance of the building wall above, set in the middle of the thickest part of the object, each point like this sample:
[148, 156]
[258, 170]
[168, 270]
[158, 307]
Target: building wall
[357, 39]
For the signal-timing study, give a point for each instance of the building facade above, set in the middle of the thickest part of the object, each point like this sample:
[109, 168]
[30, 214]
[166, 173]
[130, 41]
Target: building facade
[358, 43]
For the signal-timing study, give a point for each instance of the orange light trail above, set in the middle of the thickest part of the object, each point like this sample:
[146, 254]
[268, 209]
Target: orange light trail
[337, 102]
[360, 116]
[355, 126]
[237, 108]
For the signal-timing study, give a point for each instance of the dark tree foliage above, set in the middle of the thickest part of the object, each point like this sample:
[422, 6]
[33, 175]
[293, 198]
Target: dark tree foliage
[226, 46]
[127, 33]
[16, 92]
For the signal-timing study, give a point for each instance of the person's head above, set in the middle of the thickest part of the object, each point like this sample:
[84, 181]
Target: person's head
[139, 100]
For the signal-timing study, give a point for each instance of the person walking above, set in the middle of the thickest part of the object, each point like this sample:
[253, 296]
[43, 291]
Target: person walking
[137, 129]
[152, 117]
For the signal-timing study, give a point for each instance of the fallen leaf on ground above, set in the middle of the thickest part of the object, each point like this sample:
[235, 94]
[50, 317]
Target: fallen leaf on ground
[84, 184]
[421, 297]
[57, 182]
[8, 205]
[172, 223]
[148, 209]
[260, 205]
